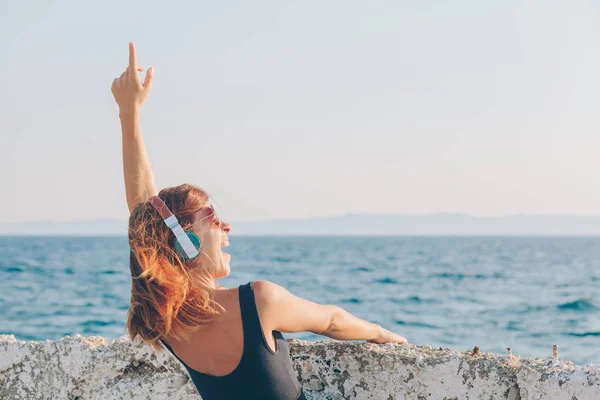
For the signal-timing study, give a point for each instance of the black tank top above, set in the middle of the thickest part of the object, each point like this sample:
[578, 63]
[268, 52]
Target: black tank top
[261, 373]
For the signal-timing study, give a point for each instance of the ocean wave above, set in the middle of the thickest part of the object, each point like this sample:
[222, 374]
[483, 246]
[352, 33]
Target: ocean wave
[352, 300]
[415, 324]
[514, 326]
[467, 299]
[460, 276]
[109, 272]
[11, 269]
[386, 280]
[282, 259]
[98, 323]
[585, 334]
[416, 300]
[577, 305]
[448, 275]
[528, 309]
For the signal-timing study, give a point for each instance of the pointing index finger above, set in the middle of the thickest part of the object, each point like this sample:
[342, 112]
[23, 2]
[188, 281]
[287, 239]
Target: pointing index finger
[132, 61]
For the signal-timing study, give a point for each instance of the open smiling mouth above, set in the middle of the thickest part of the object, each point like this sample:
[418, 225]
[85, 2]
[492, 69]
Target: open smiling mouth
[225, 244]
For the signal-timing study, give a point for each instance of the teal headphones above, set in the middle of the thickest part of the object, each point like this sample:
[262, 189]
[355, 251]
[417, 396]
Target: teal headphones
[187, 243]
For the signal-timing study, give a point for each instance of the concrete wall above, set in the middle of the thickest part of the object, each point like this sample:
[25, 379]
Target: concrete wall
[95, 368]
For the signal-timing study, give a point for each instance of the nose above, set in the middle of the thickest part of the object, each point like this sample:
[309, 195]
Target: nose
[225, 227]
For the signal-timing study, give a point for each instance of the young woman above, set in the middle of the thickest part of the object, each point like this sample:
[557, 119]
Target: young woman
[229, 340]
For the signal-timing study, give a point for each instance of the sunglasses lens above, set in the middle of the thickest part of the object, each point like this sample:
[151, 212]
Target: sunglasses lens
[209, 214]
[215, 217]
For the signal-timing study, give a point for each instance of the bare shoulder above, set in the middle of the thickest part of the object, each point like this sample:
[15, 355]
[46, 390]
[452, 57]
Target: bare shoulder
[267, 290]
[286, 312]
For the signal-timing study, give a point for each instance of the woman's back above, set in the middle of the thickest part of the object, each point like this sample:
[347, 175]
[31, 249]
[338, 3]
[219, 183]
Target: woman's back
[233, 357]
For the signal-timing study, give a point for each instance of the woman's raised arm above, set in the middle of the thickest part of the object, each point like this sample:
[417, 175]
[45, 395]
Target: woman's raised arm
[130, 94]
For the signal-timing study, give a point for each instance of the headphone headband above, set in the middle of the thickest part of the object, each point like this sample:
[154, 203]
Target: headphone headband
[190, 250]
[160, 206]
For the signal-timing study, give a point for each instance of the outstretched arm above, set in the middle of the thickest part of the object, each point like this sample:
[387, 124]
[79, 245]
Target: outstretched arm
[284, 312]
[130, 94]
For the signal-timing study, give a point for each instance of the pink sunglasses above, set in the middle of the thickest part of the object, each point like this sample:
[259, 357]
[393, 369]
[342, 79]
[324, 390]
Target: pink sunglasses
[211, 213]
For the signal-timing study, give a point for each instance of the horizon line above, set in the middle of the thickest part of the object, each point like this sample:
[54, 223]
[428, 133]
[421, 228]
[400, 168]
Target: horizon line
[349, 213]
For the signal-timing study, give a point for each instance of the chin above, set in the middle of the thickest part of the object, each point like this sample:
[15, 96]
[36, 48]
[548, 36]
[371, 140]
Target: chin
[223, 273]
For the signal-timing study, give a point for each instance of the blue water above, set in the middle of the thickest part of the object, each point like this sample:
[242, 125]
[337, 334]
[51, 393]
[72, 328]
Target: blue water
[524, 293]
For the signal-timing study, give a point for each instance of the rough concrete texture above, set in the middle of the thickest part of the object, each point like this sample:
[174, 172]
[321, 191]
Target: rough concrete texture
[96, 368]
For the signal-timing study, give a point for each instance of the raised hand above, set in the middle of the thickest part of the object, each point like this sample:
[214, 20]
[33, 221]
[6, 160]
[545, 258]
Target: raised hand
[128, 90]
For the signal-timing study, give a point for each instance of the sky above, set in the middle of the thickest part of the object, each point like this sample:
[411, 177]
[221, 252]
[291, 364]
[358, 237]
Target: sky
[291, 109]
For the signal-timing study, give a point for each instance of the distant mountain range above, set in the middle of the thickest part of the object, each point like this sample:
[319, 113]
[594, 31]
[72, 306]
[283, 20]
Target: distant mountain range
[352, 224]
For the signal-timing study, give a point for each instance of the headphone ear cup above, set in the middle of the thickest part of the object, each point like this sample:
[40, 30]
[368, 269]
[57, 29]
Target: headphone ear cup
[195, 241]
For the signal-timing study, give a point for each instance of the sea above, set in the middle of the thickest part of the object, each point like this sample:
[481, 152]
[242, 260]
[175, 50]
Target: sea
[526, 293]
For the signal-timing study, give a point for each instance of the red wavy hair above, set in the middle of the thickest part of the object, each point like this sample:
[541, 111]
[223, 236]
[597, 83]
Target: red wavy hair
[169, 296]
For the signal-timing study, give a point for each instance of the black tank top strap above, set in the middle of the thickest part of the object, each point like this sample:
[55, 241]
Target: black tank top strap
[253, 333]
